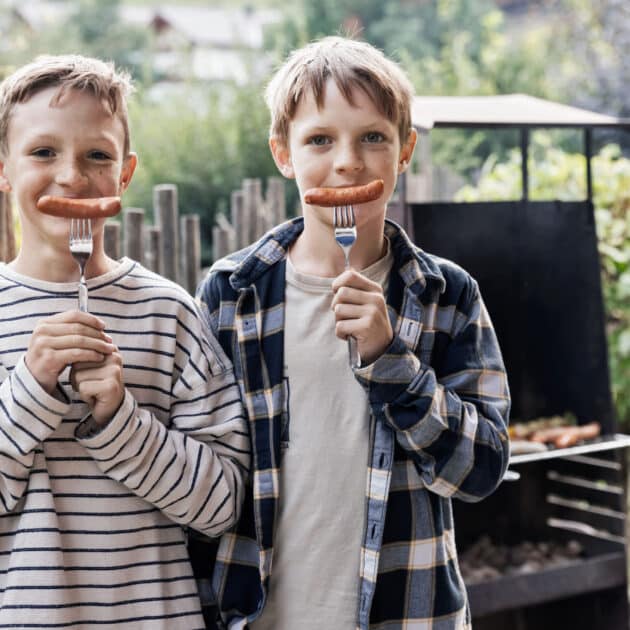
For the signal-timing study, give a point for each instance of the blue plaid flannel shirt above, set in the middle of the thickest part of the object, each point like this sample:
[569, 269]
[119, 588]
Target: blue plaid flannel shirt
[439, 402]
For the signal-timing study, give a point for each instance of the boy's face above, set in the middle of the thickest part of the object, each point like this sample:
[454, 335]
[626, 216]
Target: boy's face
[74, 149]
[343, 145]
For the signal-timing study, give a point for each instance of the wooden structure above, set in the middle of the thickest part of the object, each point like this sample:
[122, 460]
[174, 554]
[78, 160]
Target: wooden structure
[170, 247]
[7, 233]
[251, 215]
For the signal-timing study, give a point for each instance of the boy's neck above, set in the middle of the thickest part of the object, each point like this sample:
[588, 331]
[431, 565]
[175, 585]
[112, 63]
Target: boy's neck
[50, 265]
[316, 252]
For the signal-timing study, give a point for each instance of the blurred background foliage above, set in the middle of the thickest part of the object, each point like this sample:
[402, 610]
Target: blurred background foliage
[207, 136]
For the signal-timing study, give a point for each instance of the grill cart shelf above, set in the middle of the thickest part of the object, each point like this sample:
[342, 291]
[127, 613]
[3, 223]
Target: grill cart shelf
[538, 268]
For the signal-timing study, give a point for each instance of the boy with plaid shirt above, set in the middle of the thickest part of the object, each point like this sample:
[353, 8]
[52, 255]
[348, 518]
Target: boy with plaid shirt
[348, 520]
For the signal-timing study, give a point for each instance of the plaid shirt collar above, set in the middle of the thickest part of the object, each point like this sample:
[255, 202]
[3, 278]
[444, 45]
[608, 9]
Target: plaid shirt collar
[252, 263]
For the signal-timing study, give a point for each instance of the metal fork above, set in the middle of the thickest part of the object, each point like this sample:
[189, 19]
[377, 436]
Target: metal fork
[80, 243]
[346, 235]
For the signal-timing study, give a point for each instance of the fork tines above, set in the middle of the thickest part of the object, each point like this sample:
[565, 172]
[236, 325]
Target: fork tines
[81, 231]
[344, 216]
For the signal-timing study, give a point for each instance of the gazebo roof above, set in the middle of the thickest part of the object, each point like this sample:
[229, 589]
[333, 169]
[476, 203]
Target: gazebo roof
[506, 110]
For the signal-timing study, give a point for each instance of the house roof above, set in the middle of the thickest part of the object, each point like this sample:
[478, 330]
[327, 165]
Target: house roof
[505, 110]
[207, 26]
[39, 14]
[219, 27]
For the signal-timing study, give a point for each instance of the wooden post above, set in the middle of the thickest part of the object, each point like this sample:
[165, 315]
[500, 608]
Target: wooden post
[276, 203]
[11, 246]
[228, 228]
[239, 219]
[153, 248]
[166, 216]
[112, 239]
[220, 243]
[191, 250]
[133, 219]
[261, 210]
[251, 197]
[7, 231]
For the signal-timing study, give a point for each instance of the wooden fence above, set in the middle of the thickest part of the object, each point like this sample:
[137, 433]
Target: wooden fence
[251, 215]
[172, 245]
[7, 234]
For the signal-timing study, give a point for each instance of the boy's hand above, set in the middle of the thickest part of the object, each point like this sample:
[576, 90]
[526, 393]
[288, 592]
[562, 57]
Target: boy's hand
[64, 339]
[100, 385]
[361, 311]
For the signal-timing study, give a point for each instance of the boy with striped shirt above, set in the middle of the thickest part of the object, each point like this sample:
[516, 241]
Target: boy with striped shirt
[120, 426]
[348, 522]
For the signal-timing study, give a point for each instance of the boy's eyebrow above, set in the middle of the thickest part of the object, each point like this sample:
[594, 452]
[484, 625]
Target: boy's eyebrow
[43, 138]
[51, 138]
[321, 128]
[318, 129]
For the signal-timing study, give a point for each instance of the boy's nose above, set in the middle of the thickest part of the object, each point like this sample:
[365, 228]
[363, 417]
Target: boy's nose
[70, 174]
[348, 159]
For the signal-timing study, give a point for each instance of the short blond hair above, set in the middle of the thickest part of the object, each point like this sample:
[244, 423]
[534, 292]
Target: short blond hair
[68, 72]
[351, 64]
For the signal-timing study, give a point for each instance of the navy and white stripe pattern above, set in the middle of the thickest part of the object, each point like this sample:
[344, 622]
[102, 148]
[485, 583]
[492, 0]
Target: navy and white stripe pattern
[439, 405]
[91, 529]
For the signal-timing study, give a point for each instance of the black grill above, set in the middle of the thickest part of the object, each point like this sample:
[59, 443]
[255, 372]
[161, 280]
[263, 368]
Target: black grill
[538, 270]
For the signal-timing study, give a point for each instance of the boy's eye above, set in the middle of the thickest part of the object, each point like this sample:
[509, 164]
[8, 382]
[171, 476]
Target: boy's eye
[319, 140]
[373, 136]
[43, 152]
[99, 155]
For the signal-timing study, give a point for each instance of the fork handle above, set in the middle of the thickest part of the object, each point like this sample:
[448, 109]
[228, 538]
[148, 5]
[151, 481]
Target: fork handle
[353, 353]
[83, 296]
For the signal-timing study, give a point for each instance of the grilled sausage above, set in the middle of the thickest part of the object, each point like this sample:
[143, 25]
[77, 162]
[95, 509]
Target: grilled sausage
[79, 208]
[344, 196]
[550, 434]
[563, 437]
[575, 434]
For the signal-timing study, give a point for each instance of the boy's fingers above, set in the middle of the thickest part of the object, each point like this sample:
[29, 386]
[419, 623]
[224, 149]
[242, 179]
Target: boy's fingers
[348, 311]
[347, 295]
[81, 342]
[74, 328]
[346, 327]
[78, 317]
[70, 356]
[109, 367]
[352, 278]
[351, 295]
[87, 371]
[81, 368]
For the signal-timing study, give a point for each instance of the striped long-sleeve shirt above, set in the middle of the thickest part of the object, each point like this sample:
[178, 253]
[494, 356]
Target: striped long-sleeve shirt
[91, 529]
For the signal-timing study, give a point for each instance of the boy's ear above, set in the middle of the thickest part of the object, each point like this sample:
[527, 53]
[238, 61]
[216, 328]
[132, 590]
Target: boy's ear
[129, 166]
[281, 157]
[406, 151]
[5, 186]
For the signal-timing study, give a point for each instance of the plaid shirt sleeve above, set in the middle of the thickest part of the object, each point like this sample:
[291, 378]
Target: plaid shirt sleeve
[450, 410]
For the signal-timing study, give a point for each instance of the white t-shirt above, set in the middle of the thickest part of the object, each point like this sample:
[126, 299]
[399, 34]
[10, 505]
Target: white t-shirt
[314, 580]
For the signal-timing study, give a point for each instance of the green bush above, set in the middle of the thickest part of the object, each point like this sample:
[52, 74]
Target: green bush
[205, 140]
[560, 175]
